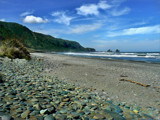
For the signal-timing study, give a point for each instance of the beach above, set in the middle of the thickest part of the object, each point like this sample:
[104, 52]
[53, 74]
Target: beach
[58, 87]
[104, 75]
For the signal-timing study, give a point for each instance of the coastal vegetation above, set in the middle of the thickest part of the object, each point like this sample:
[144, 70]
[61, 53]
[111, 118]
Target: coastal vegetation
[13, 48]
[37, 41]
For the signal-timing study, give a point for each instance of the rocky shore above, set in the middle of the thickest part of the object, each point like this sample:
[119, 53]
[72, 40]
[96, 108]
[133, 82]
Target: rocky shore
[27, 93]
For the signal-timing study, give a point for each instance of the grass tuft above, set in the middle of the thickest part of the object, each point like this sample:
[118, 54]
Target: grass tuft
[13, 48]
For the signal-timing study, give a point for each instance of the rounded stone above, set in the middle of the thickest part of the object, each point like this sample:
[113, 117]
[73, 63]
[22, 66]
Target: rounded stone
[5, 117]
[49, 117]
[37, 106]
[43, 111]
[99, 116]
[66, 100]
[25, 114]
[34, 100]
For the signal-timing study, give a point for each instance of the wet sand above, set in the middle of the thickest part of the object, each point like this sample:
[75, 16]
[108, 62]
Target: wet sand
[103, 76]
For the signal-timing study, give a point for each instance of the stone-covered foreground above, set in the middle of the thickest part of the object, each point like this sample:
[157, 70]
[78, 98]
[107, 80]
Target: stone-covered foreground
[27, 94]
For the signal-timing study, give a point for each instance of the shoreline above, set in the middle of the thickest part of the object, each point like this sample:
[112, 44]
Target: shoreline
[103, 76]
[108, 59]
[147, 58]
[32, 90]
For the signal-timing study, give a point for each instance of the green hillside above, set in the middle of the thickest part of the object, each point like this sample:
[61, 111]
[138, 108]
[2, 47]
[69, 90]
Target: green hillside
[37, 41]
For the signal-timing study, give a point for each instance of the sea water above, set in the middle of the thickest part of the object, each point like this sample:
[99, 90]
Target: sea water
[151, 57]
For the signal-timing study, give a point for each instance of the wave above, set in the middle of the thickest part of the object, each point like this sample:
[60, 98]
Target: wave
[107, 54]
[146, 57]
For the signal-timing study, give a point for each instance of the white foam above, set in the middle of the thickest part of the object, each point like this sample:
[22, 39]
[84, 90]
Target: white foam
[111, 54]
[153, 54]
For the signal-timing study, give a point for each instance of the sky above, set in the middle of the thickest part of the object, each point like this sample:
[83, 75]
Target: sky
[127, 25]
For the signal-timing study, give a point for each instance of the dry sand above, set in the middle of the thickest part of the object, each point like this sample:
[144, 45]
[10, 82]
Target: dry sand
[103, 75]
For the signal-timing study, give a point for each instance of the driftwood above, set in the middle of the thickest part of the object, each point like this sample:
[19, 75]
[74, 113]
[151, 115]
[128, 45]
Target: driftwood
[135, 82]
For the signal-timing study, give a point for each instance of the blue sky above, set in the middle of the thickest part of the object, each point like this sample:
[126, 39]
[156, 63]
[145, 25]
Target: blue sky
[128, 25]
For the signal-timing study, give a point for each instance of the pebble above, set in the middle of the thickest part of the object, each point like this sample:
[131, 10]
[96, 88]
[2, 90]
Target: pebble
[43, 111]
[19, 110]
[66, 100]
[49, 117]
[34, 113]
[99, 116]
[62, 104]
[25, 114]
[61, 117]
[63, 111]
[37, 106]
[51, 109]
[29, 94]
[136, 111]
[5, 117]
[34, 100]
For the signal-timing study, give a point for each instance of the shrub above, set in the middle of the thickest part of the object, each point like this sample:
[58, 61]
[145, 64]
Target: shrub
[13, 48]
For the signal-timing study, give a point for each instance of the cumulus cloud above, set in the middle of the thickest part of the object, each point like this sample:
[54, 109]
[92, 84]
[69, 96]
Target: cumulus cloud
[2, 19]
[103, 5]
[34, 19]
[134, 31]
[62, 18]
[78, 29]
[92, 9]
[26, 13]
[120, 12]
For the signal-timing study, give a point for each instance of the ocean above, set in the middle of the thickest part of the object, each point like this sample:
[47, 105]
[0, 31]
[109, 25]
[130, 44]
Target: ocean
[150, 57]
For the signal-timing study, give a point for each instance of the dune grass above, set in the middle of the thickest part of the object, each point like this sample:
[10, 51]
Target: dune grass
[14, 48]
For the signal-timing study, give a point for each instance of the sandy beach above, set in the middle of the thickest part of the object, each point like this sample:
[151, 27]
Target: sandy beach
[103, 76]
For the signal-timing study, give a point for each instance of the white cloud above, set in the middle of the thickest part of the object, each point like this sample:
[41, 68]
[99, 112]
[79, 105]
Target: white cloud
[78, 29]
[2, 19]
[92, 9]
[26, 13]
[57, 13]
[120, 12]
[62, 18]
[134, 31]
[139, 23]
[103, 5]
[117, 3]
[34, 19]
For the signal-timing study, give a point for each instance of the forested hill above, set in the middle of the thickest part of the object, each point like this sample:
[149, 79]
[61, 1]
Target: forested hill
[38, 41]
